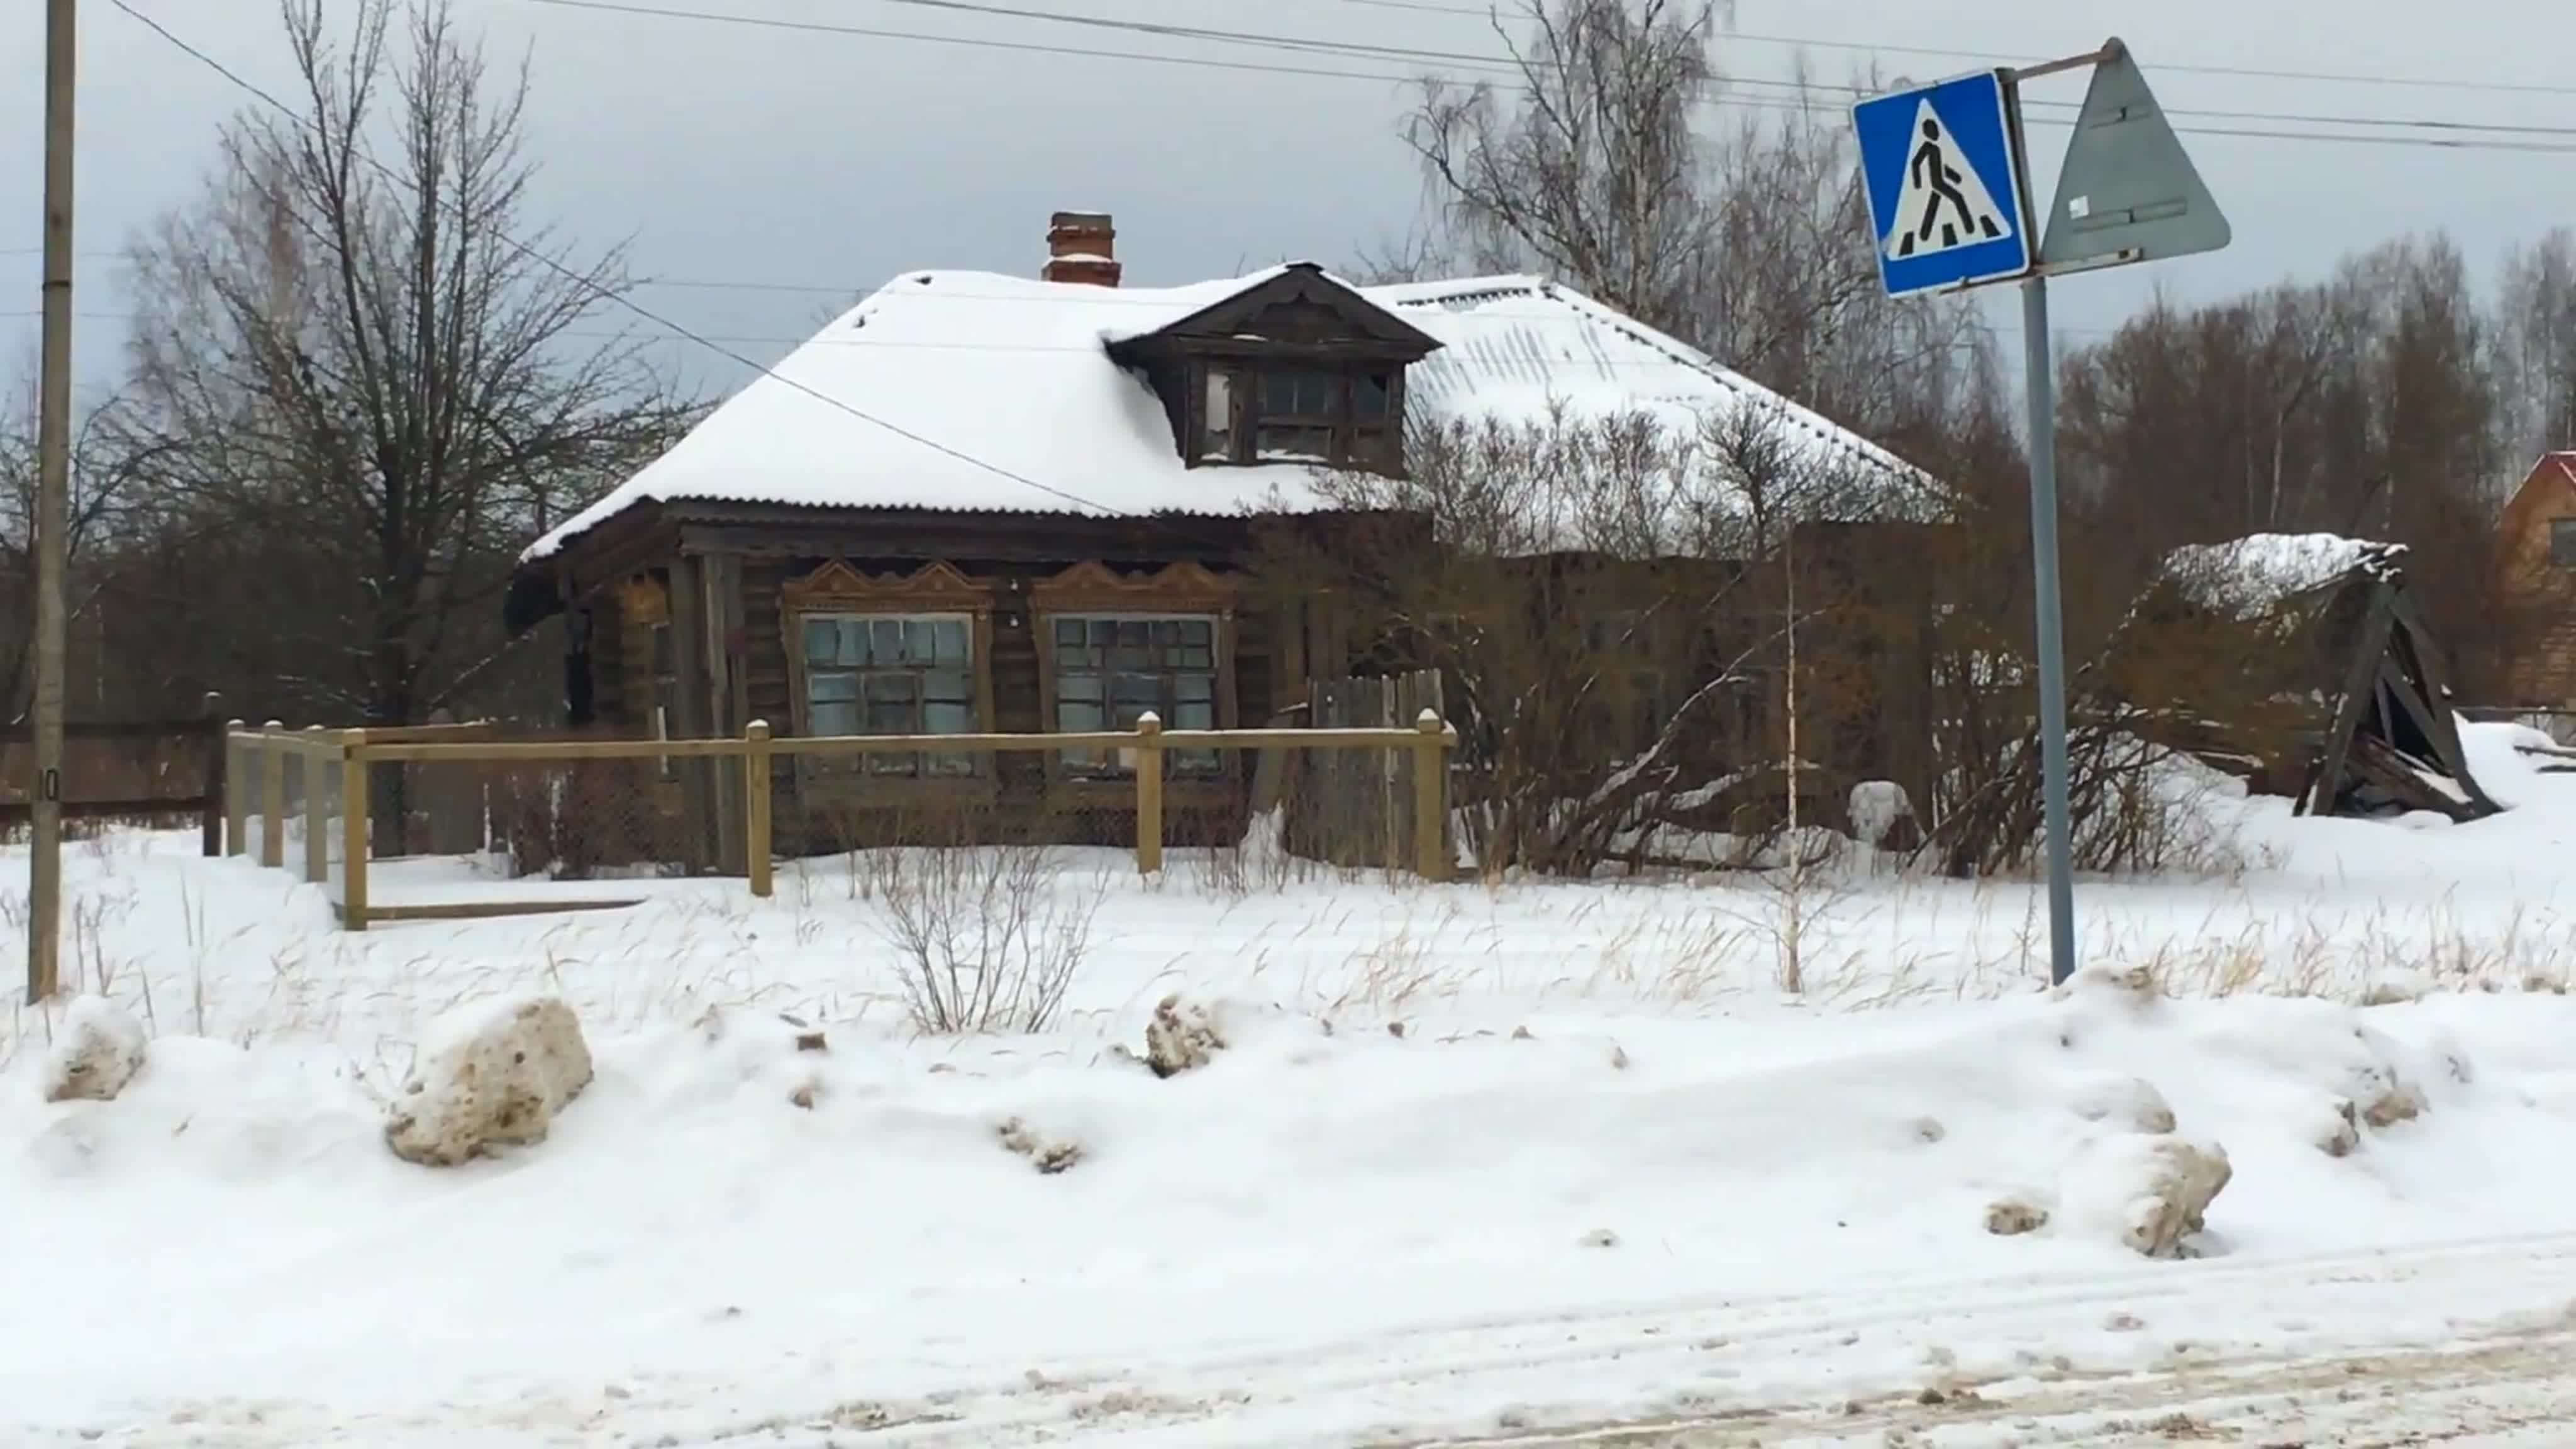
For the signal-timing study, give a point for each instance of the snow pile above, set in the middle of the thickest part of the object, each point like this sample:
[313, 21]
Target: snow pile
[98, 1047]
[2250, 577]
[986, 1196]
[490, 1074]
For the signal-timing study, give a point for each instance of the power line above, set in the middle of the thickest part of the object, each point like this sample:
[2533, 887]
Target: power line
[1481, 12]
[628, 303]
[1092, 349]
[2452, 134]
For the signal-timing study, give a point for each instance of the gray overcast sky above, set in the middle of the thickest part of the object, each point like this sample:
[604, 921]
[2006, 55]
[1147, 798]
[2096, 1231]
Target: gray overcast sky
[736, 154]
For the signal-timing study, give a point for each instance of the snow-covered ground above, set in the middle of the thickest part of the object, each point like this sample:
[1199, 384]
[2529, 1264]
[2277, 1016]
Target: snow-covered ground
[1543, 1163]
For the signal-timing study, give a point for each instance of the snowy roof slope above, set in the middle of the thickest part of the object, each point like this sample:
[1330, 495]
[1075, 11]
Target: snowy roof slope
[2251, 576]
[991, 393]
[1514, 346]
[997, 393]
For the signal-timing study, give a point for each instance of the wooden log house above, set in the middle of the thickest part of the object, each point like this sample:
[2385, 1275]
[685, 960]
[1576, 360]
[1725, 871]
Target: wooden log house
[985, 503]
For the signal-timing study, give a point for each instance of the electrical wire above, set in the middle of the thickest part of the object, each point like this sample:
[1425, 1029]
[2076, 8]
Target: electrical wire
[2321, 77]
[2453, 134]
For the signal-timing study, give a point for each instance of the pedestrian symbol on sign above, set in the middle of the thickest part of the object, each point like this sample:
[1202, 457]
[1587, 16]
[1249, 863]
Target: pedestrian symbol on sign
[1944, 202]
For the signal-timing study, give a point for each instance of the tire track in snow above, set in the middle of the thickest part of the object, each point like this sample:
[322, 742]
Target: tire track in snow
[1476, 1367]
[2501, 1387]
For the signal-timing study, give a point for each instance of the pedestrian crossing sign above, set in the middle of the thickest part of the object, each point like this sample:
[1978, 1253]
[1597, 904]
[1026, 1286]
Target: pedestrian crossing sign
[1943, 168]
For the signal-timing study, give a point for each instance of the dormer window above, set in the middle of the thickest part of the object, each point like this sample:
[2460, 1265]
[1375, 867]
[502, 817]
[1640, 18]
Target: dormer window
[1297, 416]
[1297, 412]
[1296, 368]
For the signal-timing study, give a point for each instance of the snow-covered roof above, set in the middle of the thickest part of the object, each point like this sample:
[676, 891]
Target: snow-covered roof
[1516, 346]
[2252, 576]
[971, 391]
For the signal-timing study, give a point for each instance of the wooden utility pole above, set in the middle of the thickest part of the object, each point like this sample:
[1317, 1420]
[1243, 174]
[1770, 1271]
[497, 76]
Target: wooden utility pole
[53, 490]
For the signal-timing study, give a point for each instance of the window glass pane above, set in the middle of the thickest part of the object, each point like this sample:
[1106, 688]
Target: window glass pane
[941, 717]
[1068, 633]
[917, 646]
[852, 649]
[1311, 444]
[1193, 688]
[1078, 716]
[831, 688]
[835, 717]
[1369, 393]
[885, 643]
[1144, 691]
[821, 639]
[1194, 714]
[1071, 688]
[1286, 393]
[948, 687]
[893, 704]
[949, 641]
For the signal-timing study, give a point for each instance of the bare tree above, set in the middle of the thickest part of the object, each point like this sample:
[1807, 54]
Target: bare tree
[367, 367]
[1603, 163]
[107, 464]
[1584, 591]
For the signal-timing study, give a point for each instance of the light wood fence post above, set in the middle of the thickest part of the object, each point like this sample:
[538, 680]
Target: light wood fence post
[755, 807]
[210, 816]
[353, 831]
[1149, 793]
[312, 765]
[236, 790]
[1430, 797]
[272, 801]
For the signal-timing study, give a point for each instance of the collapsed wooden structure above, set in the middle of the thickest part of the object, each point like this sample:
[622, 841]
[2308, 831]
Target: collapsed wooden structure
[2304, 664]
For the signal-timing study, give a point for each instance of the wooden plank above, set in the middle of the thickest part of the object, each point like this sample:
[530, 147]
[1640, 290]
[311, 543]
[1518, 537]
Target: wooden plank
[757, 804]
[354, 841]
[16, 811]
[127, 730]
[692, 697]
[531, 751]
[489, 910]
[1149, 798]
[218, 759]
[2359, 673]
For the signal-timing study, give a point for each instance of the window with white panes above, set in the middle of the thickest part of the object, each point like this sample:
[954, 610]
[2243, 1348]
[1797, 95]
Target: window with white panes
[893, 674]
[1110, 669]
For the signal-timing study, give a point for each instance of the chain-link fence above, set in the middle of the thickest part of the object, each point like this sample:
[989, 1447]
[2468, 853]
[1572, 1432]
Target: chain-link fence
[446, 805]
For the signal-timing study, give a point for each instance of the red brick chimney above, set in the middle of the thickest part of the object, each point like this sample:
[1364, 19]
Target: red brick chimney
[1082, 246]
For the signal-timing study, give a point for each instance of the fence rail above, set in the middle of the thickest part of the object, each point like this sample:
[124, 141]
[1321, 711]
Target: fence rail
[94, 789]
[327, 780]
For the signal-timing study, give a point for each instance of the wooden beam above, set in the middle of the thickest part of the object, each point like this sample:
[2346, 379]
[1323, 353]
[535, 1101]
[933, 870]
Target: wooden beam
[2360, 672]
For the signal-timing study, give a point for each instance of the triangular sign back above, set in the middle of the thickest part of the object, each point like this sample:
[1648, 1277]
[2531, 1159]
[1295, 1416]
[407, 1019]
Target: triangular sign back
[2127, 192]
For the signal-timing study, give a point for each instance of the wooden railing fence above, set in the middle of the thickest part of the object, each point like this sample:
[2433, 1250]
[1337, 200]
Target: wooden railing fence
[333, 770]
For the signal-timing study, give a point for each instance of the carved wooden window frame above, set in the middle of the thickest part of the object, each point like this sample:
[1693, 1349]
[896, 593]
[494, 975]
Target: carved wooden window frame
[936, 590]
[1093, 590]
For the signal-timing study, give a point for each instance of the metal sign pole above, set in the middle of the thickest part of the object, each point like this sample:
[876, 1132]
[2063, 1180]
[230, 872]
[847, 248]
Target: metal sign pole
[2040, 388]
[1946, 174]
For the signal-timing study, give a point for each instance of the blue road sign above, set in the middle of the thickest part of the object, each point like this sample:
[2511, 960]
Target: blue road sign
[1943, 168]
